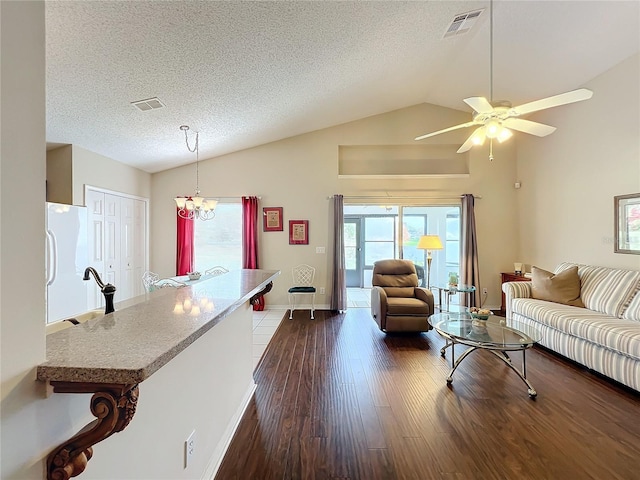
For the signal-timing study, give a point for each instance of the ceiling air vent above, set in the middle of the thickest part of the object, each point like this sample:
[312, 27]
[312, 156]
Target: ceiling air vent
[148, 104]
[462, 23]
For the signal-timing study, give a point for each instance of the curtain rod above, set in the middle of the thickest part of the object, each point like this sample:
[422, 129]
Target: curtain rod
[235, 198]
[374, 197]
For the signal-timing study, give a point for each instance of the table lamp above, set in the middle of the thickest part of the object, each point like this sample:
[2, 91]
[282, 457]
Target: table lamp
[428, 243]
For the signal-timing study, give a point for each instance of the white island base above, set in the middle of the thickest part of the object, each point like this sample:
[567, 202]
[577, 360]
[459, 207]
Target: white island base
[194, 373]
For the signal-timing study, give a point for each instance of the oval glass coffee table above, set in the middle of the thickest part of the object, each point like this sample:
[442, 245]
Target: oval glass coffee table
[498, 335]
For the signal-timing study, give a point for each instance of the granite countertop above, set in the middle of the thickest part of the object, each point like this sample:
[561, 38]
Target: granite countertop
[129, 345]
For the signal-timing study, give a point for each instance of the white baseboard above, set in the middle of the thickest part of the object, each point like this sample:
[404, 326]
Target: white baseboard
[216, 459]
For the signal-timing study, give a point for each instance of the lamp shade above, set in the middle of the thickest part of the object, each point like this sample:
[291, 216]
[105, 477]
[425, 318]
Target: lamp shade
[430, 242]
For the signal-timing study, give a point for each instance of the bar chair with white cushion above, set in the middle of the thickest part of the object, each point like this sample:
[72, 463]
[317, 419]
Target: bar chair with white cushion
[302, 285]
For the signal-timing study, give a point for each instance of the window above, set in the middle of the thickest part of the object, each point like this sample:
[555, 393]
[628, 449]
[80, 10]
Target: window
[219, 241]
[452, 246]
[374, 232]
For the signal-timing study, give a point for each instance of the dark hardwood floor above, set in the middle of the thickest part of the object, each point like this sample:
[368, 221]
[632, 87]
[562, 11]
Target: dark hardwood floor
[338, 399]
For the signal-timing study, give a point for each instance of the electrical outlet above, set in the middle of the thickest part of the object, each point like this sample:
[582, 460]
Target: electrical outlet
[189, 447]
[321, 290]
[484, 291]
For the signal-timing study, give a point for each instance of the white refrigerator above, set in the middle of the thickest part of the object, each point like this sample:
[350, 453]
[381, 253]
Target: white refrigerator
[66, 259]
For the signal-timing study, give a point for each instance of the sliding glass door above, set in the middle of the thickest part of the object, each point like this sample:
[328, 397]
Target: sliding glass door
[353, 252]
[374, 232]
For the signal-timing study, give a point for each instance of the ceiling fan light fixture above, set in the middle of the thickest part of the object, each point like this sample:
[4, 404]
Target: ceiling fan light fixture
[479, 136]
[498, 119]
[505, 134]
[493, 128]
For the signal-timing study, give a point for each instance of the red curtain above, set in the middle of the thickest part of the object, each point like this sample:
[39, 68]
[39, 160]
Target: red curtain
[184, 244]
[250, 238]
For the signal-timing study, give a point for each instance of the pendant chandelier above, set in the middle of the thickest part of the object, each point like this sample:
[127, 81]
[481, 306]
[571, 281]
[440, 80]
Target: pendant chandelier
[194, 206]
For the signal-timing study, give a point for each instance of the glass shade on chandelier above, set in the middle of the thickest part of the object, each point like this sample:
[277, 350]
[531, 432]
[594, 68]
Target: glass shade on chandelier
[195, 207]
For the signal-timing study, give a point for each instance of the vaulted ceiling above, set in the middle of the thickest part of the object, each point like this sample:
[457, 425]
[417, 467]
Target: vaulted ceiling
[248, 73]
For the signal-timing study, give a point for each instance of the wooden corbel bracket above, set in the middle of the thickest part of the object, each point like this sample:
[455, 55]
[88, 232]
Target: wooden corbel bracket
[256, 298]
[113, 405]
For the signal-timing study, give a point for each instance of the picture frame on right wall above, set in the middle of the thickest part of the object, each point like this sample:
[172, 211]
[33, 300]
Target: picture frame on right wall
[627, 223]
[298, 232]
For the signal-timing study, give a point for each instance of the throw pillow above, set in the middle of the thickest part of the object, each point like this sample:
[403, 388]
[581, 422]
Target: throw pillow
[563, 287]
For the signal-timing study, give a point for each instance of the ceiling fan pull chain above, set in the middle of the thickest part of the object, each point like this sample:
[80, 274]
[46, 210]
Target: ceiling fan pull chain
[491, 150]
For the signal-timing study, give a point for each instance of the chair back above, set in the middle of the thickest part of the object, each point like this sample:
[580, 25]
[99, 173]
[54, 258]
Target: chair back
[149, 279]
[215, 271]
[303, 275]
[398, 277]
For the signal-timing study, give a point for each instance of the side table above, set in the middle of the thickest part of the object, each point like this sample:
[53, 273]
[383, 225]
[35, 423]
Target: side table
[450, 290]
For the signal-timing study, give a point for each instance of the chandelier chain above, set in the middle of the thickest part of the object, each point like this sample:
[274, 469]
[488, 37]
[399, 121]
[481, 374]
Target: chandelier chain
[192, 207]
[196, 150]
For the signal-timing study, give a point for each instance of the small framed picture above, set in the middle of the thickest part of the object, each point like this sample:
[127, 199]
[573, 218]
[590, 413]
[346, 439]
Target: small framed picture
[627, 223]
[272, 219]
[298, 232]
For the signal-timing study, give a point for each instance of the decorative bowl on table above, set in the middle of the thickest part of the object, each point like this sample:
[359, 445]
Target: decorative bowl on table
[194, 275]
[479, 313]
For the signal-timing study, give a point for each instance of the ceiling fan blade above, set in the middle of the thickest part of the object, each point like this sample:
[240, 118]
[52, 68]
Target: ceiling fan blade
[556, 100]
[479, 104]
[527, 126]
[462, 125]
[476, 138]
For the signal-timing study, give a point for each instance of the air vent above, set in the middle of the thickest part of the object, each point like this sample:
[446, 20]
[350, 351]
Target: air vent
[148, 104]
[462, 23]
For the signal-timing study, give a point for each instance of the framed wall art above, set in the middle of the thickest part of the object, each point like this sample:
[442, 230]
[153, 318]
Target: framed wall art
[298, 232]
[272, 219]
[627, 220]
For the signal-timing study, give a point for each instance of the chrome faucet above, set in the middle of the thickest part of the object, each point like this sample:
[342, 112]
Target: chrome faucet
[107, 290]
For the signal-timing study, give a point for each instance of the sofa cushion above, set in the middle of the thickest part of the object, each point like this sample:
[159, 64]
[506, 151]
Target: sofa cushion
[406, 306]
[562, 287]
[603, 289]
[619, 335]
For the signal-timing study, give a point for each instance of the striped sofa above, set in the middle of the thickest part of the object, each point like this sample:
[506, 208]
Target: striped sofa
[604, 336]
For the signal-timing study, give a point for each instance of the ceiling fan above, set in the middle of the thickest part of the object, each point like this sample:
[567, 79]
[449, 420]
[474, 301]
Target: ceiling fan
[497, 119]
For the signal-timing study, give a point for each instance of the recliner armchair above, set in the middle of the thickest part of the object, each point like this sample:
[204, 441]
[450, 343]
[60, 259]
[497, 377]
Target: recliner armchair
[397, 303]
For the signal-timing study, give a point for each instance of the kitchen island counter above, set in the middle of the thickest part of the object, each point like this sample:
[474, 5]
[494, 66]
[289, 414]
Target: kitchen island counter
[129, 345]
[191, 346]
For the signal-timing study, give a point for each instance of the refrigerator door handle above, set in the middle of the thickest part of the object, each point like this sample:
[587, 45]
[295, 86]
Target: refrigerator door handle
[52, 257]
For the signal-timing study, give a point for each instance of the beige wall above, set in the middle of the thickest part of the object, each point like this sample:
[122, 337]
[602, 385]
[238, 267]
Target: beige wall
[569, 178]
[299, 173]
[96, 170]
[60, 175]
[71, 168]
[23, 173]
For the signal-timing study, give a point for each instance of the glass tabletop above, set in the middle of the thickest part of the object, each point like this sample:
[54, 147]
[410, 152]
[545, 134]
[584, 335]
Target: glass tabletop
[461, 287]
[497, 331]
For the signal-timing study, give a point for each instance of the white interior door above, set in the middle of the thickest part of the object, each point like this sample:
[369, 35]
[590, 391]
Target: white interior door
[118, 243]
[127, 247]
[95, 240]
[112, 242]
[140, 245]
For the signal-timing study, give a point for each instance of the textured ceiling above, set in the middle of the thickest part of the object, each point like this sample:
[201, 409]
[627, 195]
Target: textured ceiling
[248, 73]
